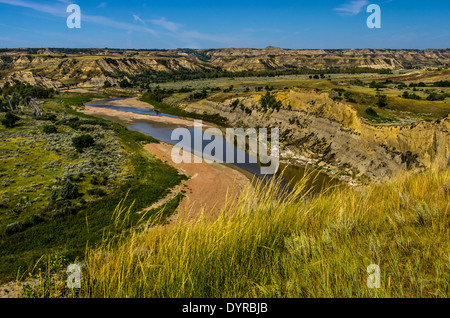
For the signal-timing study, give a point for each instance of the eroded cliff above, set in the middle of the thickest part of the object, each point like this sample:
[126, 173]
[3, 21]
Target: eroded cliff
[315, 128]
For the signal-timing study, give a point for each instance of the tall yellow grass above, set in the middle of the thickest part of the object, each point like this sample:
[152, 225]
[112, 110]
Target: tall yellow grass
[301, 246]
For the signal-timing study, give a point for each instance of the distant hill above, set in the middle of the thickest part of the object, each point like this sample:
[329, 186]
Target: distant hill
[92, 67]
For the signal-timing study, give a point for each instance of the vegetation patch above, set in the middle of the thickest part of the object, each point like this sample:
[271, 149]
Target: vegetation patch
[54, 199]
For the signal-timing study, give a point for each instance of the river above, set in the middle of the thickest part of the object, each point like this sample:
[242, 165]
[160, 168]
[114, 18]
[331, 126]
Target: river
[162, 131]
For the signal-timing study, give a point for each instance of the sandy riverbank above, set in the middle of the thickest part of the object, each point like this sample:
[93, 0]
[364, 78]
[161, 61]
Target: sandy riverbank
[129, 117]
[209, 184]
[132, 102]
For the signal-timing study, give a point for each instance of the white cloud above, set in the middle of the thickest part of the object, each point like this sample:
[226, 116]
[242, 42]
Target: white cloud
[136, 18]
[53, 10]
[171, 26]
[60, 11]
[176, 30]
[352, 7]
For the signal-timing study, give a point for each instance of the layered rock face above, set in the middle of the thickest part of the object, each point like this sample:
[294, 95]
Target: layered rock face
[320, 128]
[91, 67]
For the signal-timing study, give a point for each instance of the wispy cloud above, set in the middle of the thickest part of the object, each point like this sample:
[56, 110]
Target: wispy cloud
[56, 10]
[60, 11]
[171, 26]
[136, 18]
[353, 7]
[169, 29]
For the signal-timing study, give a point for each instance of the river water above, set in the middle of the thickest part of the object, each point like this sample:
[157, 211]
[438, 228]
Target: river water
[199, 140]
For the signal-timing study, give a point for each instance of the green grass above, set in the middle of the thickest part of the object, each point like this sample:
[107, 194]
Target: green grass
[69, 235]
[398, 109]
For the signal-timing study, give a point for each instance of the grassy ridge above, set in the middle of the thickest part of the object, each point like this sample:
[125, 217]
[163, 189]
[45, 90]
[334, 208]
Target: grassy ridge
[320, 247]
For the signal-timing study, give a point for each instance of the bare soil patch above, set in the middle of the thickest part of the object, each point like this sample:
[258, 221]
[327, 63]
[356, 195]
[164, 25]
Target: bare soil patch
[209, 185]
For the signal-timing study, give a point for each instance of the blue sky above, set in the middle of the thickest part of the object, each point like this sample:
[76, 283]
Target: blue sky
[168, 24]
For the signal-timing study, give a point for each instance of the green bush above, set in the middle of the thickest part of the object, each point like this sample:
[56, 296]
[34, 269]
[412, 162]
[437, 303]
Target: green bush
[371, 112]
[51, 117]
[435, 97]
[382, 101]
[349, 97]
[13, 228]
[50, 129]
[98, 192]
[270, 101]
[410, 96]
[69, 191]
[10, 120]
[54, 195]
[82, 142]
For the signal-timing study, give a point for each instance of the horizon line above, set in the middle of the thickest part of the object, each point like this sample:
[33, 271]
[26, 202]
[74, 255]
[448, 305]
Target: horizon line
[219, 48]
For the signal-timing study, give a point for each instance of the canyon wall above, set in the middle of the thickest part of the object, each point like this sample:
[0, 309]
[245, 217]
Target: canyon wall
[92, 67]
[317, 127]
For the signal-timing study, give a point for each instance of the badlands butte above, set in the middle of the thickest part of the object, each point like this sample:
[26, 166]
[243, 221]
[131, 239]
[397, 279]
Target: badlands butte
[362, 115]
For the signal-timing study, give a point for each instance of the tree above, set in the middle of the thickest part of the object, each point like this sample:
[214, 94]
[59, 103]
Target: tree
[107, 84]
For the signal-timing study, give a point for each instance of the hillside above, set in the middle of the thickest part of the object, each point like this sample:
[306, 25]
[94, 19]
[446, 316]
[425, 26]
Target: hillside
[269, 248]
[59, 68]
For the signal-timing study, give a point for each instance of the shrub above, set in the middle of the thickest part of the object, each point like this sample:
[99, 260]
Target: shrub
[270, 101]
[69, 191]
[54, 195]
[435, 97]
[234, 104]
[377, 85]
[13, 228]
[349, 97]
[94, 180]
[371, 112]
[10, 120]
[197, 95]
[382, 101]
[442, 84]
[50, 129]
[33, 220]
[82, 142]
[98, 192]
[410, 96]
[51, 117]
